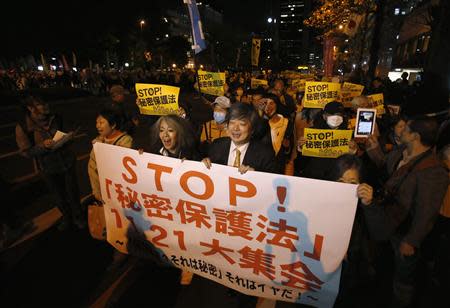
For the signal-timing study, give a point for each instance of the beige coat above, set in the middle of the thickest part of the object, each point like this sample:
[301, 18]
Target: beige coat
[122, 140]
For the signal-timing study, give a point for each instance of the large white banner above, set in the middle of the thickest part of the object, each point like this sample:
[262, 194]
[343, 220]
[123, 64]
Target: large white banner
[262, 234]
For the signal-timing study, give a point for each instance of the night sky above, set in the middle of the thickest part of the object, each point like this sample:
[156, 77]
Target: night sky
[43, 26]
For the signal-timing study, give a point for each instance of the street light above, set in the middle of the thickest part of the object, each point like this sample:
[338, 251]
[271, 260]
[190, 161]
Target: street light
[142, 23]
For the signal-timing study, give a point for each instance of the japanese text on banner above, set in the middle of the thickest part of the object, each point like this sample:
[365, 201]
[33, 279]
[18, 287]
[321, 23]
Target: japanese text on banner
[258, 82]
[262, 234]
[156, 99]
[349, 91]
[377, 101]
[318, 94]
[299, 84]
[327, 143]
[211, 82]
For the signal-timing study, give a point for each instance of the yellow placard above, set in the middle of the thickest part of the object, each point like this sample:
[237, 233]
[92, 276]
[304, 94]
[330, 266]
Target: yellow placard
[326, 143]
[377, 101]
[353, 87]
[211, 82]
[157, 99]
[258, 82]
[349, 91]
[299, 84]
[318, 94]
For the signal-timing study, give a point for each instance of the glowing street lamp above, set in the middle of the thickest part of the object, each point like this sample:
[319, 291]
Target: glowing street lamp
[142, 23]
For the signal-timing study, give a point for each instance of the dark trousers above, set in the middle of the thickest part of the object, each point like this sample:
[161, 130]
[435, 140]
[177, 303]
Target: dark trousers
[64, 187]
[405, 275]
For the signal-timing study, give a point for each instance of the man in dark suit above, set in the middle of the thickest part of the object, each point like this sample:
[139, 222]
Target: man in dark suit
[240, 149]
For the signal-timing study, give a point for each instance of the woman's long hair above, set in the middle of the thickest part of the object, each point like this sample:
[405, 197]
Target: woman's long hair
[186, 142]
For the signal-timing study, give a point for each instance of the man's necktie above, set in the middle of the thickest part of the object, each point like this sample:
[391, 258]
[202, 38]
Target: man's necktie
[237, 159]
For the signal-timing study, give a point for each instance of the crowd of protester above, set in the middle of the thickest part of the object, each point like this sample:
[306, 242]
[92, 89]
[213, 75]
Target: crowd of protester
[402, 169]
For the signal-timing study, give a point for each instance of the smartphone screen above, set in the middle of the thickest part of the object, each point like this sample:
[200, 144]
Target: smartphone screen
[365, 122]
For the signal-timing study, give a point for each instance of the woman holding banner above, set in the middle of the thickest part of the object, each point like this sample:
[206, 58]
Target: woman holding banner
[109, 127]
[174, 137]
[356, 266]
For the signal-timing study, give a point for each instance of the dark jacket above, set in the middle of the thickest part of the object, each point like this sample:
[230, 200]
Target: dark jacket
[30, 137]
[258, 156]
[411, 212]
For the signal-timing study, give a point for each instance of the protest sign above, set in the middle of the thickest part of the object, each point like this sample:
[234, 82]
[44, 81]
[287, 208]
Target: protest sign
[327, 143]
[377, 101]
[318, 94]
[299, 84]
[211, 82]
[265, 235]
[349, 91]
[258, 82]
[157, 99]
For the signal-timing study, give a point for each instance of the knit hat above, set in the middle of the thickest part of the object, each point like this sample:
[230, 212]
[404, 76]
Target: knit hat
[333, 108]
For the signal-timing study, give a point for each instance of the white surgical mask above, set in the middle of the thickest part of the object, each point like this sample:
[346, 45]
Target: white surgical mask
[219, 117]
[334, 121]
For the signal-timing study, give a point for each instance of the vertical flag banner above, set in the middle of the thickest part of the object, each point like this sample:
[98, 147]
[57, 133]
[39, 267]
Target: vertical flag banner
[74, 59]
[196, 27]
[44, 63]
[256, 47]
[265, 235]
[157, 99]
[66, 65]
[211, 82]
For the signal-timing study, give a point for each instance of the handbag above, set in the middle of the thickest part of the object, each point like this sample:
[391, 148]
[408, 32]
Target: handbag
[96, 215]
[96, 221]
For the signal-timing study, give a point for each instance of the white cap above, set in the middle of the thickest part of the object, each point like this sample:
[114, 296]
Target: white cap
[223, 102]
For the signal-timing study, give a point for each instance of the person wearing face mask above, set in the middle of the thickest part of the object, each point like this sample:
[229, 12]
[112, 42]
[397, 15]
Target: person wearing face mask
[332, 117]
[216, 128]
